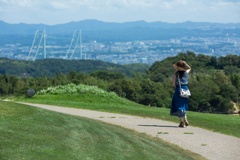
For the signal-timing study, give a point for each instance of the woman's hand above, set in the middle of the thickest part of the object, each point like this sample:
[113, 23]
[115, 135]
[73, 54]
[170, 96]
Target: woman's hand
[189, 68]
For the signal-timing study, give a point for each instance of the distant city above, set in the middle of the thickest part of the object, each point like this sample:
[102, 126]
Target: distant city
[120, 43]
[145, 51]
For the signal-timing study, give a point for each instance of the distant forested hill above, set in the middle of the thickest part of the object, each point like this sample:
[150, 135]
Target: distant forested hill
[48, 67]
[201, 65]
[91, 25]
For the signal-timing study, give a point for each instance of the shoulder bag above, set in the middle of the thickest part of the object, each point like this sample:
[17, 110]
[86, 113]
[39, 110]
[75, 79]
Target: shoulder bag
[183, 92]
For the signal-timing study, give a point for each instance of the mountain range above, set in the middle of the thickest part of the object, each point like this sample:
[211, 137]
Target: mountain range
[94, 25]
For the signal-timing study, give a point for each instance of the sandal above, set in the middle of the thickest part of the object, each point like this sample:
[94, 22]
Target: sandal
[186, 123]
[181, 125]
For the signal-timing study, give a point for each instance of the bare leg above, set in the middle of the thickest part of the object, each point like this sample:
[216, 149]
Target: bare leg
[180, 119]
[186, 121]
[181, 122]
[185, 118]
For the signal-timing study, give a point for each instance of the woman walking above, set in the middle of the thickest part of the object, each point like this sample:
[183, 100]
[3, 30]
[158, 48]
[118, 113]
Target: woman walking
[179, 104]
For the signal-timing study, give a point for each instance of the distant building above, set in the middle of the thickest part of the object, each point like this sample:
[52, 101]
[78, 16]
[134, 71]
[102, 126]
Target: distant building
[25, 75]
[143, 60]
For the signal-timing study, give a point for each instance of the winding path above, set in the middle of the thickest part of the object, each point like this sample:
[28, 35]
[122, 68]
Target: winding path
[209, 144]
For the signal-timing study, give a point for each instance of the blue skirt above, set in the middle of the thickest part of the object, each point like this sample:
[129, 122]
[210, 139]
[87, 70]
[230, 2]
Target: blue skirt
[179, 104]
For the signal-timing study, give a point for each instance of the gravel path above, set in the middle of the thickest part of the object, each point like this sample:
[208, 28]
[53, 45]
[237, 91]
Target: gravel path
[209, 144]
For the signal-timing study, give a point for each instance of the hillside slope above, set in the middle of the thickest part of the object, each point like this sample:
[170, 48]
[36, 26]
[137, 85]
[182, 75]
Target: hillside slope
[48, 67]
[32, 133]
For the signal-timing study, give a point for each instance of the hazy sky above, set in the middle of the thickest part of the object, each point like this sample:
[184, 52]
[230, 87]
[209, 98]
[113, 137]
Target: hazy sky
[62, 11]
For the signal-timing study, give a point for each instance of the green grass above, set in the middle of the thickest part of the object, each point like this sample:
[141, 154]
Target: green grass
[226, 124]
[187, 133]
[163, 133]
[33, 133]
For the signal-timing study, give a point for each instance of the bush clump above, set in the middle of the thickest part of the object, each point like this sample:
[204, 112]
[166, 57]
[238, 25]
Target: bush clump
[81, 89]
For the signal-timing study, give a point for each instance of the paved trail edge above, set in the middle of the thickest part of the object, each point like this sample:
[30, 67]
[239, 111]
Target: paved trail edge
[209, 144]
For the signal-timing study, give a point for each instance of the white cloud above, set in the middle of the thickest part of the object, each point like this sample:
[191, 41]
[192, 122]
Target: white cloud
[20, 3]
[165, 5]
[182, 1]
[117, 4]
[59, 5]
[4, 1]
[143, 3]
[61, 11]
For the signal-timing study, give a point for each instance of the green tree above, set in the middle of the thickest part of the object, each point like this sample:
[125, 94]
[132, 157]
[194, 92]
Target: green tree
[229, 70]
[229, 92]
[127, 88]
[213, 62]
[225, 105]
[235, 79]
[221, 78]
[72, 74]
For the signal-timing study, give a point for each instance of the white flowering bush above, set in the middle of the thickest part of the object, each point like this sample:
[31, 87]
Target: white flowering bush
[72, 88]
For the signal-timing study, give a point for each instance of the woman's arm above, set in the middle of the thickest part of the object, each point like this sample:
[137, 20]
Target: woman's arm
[174, 79]
[189, 68]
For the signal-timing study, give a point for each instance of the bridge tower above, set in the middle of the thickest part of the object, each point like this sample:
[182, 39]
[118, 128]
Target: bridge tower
[39, 37]
[77, 40]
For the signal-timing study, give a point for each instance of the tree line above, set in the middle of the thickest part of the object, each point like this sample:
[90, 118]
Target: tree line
[214, 82]
[48, 67]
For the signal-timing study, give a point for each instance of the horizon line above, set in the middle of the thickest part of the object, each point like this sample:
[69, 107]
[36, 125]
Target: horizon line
[117, 22]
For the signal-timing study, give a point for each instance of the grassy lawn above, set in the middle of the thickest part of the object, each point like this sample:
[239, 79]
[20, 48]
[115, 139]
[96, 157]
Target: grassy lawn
[226, 124]
[32, 133]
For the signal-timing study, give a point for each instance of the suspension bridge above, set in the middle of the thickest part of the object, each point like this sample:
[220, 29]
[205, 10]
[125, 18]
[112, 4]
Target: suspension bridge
[39, 44]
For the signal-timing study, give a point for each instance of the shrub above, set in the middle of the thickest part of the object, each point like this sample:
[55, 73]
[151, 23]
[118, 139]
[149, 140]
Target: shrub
[81, 89]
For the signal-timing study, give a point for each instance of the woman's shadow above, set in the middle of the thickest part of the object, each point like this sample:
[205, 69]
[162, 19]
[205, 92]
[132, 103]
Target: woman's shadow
[157, 126]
